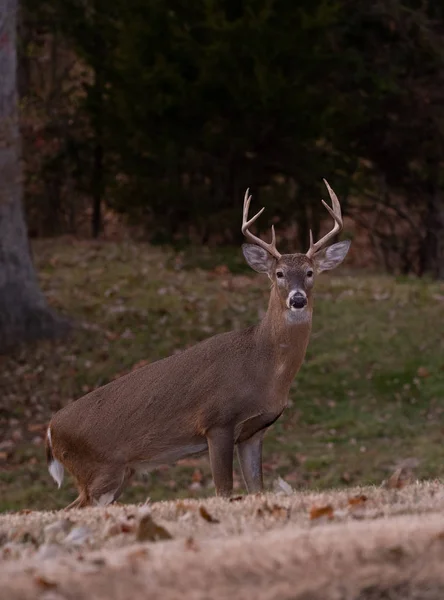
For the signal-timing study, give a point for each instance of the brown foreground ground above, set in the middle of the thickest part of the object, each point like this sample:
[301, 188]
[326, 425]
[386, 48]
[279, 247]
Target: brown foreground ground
[361, 543]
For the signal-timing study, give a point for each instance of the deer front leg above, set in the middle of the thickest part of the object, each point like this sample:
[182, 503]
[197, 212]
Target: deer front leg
[249, 454]
[221, 449]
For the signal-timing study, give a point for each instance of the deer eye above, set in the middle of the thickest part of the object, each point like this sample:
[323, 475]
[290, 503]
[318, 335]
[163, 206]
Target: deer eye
[279, 274]
[309, 273]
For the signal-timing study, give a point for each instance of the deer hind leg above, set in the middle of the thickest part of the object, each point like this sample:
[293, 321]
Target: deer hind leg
[80, 502]
[127, 476]
[102, 486]
[108, 484]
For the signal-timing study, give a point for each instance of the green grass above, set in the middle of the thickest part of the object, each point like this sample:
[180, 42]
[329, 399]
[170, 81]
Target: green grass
[369, 395]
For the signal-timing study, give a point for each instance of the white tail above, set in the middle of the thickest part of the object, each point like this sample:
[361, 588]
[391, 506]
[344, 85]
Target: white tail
[221, 394]
[55, 467]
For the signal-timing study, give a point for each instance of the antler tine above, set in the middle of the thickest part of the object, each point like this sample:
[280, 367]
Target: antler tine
[311, 238]
[336, 213]
[270, 248]
[246, 223]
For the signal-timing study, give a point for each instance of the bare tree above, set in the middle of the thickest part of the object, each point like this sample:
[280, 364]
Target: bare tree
[24, 313]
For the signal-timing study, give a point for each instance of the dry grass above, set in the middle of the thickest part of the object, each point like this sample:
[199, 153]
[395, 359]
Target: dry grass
[372, 543]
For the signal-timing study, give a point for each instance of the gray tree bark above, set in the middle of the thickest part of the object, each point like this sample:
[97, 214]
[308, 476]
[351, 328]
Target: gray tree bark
[24, 313]
[433, 245]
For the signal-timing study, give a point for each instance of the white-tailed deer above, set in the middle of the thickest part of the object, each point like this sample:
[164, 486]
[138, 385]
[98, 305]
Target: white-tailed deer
[221, 393]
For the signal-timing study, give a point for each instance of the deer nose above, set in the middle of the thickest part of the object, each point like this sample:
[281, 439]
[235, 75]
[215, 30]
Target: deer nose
[298, 300]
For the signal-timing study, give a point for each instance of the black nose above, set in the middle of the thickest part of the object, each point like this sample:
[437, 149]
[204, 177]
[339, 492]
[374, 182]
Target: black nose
[298, 301]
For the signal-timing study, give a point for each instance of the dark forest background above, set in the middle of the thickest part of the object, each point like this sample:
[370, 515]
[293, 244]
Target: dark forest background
[165, 112]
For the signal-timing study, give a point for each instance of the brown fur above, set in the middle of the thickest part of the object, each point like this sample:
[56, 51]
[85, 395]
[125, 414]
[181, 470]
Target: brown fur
[223, 392]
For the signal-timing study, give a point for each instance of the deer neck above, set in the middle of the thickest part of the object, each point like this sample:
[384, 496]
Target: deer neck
[286, 336]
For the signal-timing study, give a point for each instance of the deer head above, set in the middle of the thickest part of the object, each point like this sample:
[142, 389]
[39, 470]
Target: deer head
[293, 275]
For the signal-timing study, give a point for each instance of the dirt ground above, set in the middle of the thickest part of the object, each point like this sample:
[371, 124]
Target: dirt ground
[360, 543]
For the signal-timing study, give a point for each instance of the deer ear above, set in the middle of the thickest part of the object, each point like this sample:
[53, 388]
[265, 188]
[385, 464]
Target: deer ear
[258, 258]
[332, 256]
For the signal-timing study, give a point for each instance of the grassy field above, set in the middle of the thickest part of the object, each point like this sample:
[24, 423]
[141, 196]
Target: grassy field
[368, 399]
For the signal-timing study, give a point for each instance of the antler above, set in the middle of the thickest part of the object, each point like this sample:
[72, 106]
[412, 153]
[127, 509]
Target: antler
[270, 248]
[337, 216]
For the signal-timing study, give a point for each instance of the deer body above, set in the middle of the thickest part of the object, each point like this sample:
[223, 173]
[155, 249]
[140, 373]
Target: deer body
[217, 395]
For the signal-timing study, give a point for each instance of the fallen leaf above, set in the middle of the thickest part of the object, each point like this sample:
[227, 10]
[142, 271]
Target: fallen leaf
[30, 376]
[98, 561]
[409, 464]
[241, 281]
[139, 553]
[316, 512]
[25, 537]
[127, 334]
[183, 507]
[357, 500]
[221, 270]
[280, 511]
[116, 528]
[54, 530]
[149, 531]
[275, 510]
[190, 544]
[49, 551]
[395, 553]
[196, 485]
[206, 515]
[17, 435]
[35, 427]
[346, 477]
[197, 476]
[110, 335]
[45, 583]
[280, 485]
[423, 372]
[78, 536]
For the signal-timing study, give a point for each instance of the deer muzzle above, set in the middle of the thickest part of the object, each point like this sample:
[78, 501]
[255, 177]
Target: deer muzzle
[297, 300]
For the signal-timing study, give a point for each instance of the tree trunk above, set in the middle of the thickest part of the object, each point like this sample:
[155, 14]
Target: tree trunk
[97, 187]
[24, 314]
[433, 244]
[97, 123]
